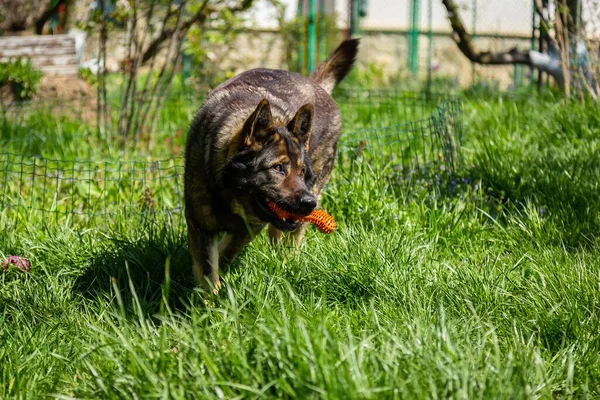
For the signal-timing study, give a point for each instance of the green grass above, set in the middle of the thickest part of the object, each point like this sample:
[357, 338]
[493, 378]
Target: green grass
[486, 287]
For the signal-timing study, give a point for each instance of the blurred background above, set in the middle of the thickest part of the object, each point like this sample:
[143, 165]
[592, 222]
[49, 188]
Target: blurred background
[401, 39]
[195, 44]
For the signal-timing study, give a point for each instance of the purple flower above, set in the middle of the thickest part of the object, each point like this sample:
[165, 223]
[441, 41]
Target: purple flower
[20, 262]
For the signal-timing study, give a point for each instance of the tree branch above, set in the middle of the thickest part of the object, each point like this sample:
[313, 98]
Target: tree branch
[463, 40]
[198, 18]
[468, 48]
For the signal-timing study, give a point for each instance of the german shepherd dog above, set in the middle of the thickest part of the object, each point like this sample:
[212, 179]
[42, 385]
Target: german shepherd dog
[262, 135]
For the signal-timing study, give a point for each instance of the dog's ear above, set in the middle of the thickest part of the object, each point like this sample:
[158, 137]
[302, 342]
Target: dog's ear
[301, 125]
[256, 127]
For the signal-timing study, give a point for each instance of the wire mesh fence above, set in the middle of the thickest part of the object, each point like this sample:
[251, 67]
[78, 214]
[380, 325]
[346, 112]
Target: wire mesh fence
[408, 129]
[88, 191]
[411, 131]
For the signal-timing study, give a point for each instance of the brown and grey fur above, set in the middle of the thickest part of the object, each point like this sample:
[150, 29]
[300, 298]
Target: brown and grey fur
[264, 134]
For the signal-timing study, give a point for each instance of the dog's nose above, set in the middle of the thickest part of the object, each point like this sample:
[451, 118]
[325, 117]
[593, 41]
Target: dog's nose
[308, 203]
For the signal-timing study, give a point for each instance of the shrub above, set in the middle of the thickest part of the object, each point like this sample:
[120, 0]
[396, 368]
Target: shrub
[24, 80]
[88, 75]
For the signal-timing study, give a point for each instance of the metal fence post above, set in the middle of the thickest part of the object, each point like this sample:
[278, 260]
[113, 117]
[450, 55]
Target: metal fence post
[474, 36]
[430, 39]
[322, 50]
[300, 14]
[413, 44]
[187, 62]
[354, 21]
[312, 37]
[532, 47]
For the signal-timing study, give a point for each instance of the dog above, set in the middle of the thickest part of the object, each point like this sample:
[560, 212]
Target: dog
[263, 135]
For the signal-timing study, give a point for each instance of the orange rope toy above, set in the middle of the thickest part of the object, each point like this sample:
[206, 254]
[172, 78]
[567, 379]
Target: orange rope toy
[319, 218]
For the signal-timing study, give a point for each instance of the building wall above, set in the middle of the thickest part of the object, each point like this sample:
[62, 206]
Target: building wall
[387, 50]
[491, 16]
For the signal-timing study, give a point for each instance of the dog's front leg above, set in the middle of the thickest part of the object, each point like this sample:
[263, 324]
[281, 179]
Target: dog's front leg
[205, 253]
[232, 243]
[290, 239]
[275, 235]
[298, 235]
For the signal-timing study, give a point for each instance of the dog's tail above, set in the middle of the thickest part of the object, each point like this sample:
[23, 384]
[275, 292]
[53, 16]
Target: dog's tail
[331, 71]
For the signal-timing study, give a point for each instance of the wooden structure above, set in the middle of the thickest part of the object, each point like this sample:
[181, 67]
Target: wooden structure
[52, 54]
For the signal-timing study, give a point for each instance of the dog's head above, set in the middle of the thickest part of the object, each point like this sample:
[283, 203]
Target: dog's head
[271, 164]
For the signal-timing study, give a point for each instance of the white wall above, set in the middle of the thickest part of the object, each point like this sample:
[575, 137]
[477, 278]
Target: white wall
[504, 16]
[493, 16]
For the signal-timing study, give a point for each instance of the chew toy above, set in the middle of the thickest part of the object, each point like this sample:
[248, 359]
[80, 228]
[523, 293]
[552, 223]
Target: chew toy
[319, 218]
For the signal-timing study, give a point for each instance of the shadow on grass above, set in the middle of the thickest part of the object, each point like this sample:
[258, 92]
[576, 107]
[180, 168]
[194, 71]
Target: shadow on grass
[563, 187]
[151, 268]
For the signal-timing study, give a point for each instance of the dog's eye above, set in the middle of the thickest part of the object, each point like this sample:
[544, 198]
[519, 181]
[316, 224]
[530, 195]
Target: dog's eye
[279, 168]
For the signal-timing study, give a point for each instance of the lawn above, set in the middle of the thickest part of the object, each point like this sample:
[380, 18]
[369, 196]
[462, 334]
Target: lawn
[480, 285]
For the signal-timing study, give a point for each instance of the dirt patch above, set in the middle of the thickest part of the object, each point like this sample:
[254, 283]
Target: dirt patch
[72, 96]
[64, 88]
[6, 95]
